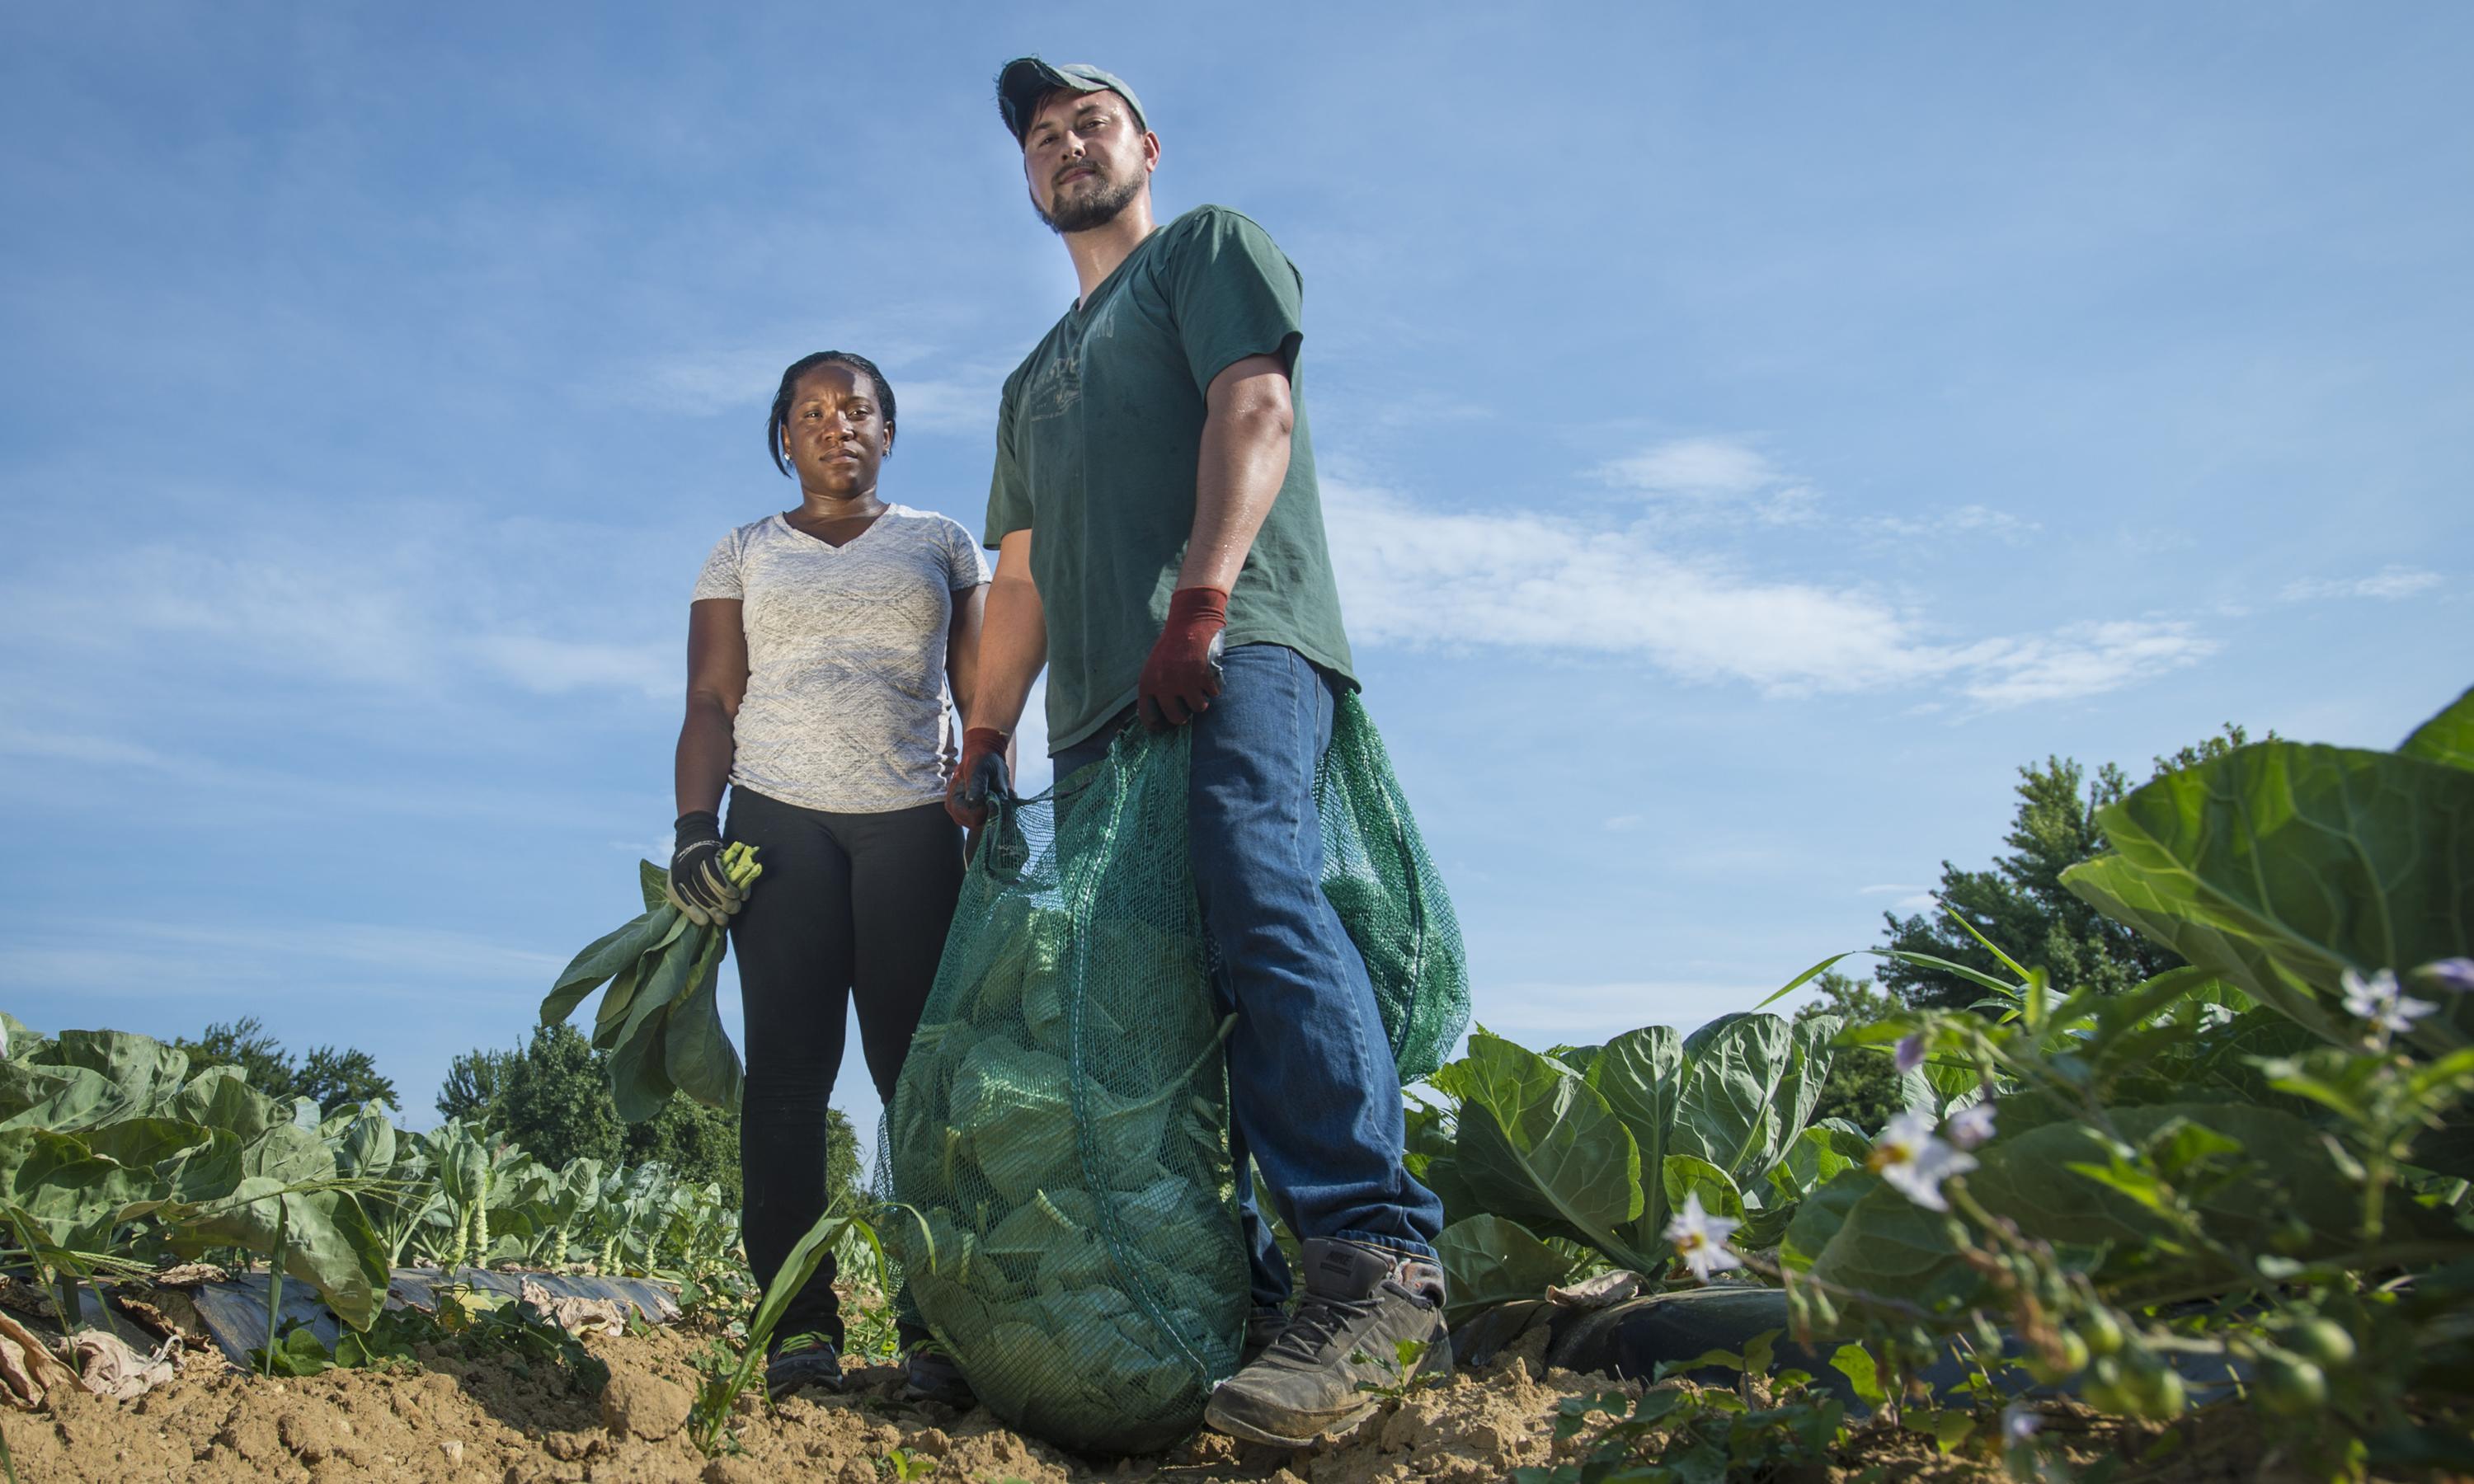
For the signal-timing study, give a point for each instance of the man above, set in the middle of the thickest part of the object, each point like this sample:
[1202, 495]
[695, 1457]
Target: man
[1161, 549]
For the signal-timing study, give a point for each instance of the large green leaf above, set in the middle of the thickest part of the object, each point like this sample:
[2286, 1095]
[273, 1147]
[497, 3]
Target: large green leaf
[604, 957]
[700, 1058]
[74, 1197]
[651, 879]
[1682, 1175]
[327, 1241]
[220, 1098]
[1640, 1073]
[639, 1084]
[1749, 1082]
[1820, 1214]
[2280, 866]
[145, 1074]
[1489, 1261]
[1538, 1145]
[1817, 1157]
[2447, 739]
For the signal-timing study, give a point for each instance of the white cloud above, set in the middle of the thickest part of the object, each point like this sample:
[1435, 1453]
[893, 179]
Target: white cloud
[1420, 578]
[2080, 660]
[1958, 521]
[1697, 480]
[2389, 583]
[1693, 468]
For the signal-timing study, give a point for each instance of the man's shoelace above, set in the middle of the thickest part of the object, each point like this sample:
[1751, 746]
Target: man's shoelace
[1318, 1322]
[802, 1343]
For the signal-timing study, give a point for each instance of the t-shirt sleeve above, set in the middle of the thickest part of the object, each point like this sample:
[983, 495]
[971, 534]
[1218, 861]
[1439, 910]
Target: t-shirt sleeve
[1008, 492]
[1235, 293]
[720, 577]
[965, 567]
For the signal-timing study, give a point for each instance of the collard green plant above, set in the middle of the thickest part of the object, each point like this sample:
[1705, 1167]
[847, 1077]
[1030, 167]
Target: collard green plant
[2282, 865]
[1600, 1146]
[114, 1157]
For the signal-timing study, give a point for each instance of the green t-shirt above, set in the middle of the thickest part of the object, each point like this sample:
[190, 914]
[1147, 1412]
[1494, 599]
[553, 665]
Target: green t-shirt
[1099, 435]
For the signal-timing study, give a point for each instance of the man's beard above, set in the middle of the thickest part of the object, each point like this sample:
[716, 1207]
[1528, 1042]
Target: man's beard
[1097, 208]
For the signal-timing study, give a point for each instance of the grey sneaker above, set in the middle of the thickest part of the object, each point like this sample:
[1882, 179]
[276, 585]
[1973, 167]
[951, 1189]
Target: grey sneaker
[1360, 1302]
[801, 1361]
[934, 1377]
[1262, 1327]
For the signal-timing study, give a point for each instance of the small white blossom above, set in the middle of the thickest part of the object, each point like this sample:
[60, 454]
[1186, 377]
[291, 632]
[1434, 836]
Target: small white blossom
[1912, 1052]
[2454, 974]
[2020, 1423]
[1911, 1157]
[1701, 1239]
[2378, 1000]
[1971, 1125]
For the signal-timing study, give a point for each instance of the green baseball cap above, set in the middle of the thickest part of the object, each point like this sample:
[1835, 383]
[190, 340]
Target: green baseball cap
[1027, 80]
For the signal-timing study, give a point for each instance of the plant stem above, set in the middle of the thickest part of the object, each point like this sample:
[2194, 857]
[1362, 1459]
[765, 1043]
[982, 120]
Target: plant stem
[275, 1280]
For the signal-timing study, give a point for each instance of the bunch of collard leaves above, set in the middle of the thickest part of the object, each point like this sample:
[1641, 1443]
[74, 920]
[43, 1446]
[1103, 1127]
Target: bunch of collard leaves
[659, 1021]
[2258, 1163]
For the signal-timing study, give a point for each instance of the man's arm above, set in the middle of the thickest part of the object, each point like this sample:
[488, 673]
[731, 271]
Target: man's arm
[1013, 641]
[1248, 417]
[1013, 645]
[1247, 421]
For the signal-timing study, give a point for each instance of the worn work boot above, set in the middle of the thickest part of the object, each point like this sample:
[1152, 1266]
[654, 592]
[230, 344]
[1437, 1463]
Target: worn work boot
[1360, 1302]
[801, 1361]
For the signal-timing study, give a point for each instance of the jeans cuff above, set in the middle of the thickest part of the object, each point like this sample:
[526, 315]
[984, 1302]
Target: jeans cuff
[1399, 1244]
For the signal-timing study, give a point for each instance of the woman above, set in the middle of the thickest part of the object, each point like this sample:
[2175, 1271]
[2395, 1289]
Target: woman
[824, 645]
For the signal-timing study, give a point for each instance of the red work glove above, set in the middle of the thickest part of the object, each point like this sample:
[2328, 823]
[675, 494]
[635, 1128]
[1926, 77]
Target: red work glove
[982, 768]
[1182, 673]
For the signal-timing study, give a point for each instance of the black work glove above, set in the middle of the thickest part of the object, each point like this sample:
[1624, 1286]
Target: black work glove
[697, 885]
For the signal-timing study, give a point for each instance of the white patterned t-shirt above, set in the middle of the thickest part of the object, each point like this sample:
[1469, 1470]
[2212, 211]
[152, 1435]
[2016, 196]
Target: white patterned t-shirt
[846, 704]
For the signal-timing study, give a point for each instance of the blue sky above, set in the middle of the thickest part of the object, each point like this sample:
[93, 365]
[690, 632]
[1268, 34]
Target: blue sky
[1751, 433]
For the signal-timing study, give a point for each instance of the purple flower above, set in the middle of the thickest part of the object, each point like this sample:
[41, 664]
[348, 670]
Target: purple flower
[1912, 1052]
[2453, 975]
[2378, 1000]
[1971, 1125]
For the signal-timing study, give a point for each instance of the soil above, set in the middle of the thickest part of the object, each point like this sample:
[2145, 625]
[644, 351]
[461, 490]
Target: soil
[490, 1420]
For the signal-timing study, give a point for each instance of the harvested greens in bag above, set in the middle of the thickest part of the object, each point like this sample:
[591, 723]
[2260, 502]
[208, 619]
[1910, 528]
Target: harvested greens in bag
[1060, 1134]
[1060, 1129]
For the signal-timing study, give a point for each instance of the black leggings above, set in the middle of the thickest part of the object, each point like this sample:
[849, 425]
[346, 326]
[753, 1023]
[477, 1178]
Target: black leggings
[851, 906]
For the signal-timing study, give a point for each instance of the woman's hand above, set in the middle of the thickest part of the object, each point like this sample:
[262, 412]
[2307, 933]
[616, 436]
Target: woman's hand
[698, 885]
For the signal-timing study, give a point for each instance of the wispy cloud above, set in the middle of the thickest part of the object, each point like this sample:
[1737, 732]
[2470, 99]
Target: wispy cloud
[1414, 576]
[2389, 583]
[1963, 520]
[1708, 478]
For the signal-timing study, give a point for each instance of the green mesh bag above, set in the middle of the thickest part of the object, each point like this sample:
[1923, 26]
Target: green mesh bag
[1380, 880]
[1059, 1132]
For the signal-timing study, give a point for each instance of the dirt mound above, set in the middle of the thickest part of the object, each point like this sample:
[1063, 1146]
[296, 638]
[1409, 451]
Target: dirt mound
[498, 1419]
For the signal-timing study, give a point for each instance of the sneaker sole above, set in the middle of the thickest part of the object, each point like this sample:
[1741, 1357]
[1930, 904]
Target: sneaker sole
[1228, 1420]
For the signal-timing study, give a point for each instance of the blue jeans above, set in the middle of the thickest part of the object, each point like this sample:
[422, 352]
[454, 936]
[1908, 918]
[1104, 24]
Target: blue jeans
[1314, 1093]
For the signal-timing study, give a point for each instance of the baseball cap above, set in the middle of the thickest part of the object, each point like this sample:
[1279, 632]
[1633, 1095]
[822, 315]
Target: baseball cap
[1027, 80]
